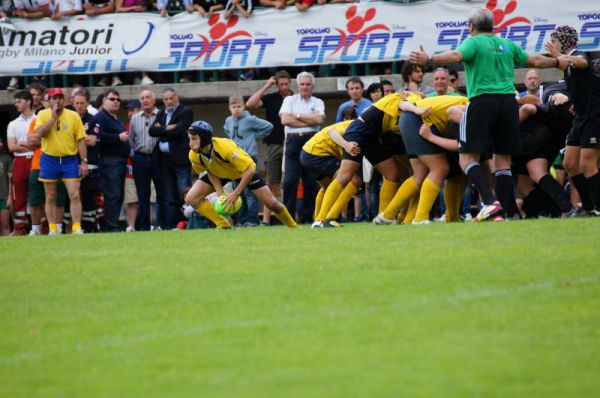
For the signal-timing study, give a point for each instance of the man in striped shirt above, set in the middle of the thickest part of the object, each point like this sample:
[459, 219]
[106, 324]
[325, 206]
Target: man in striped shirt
[145, 170]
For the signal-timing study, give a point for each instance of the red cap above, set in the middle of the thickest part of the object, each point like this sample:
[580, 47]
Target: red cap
[55, 91]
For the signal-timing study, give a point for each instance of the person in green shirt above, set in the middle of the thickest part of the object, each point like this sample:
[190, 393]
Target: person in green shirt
[492, 117]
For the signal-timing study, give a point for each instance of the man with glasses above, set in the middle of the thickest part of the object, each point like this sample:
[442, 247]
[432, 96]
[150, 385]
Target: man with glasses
[64, 157]
[114, 150]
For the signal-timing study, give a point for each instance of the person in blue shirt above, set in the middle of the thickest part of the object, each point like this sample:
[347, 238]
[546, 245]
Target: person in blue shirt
[245, 129]
[355, 88]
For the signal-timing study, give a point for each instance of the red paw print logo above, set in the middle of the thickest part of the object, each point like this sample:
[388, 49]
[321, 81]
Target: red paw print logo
[500, 14]
[218, 34]
[354, 25]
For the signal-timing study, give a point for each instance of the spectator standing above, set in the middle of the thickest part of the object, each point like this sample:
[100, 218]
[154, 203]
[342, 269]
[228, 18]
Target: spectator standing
[274, 141]
[170, 127]
[145, 170]
[22, 151]
[412, 78]
[65, 8]
[355, 88]
[90, 186]
[301, 114]
[243, 7]
[533, 84]
[32, 9]
[64, 156]
[492, 115]
[167, 6]
[37, 93]
[441, 83]
[388, 87]
[244, 129]
[5, 178]
[114, 150]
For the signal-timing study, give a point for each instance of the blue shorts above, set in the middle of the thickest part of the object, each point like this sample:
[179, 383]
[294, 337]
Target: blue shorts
[54, 168]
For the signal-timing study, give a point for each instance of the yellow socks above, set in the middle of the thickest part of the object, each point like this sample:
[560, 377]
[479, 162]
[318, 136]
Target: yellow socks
[386, 193]
[319, 202]
[405, 192]
[342, 201]
[207, 210]
[331, 194]
[76, 226]
[412, 210]
[429, 194]
[53, 227]
[453, 193]
[285, 217]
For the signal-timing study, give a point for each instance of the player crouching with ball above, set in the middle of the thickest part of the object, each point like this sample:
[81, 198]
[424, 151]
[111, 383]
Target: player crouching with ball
[224, 161]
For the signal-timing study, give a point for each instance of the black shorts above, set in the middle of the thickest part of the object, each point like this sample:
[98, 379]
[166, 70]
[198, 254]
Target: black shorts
[454, 166]
[537, 142]
[370, 143]
[585, 132]
[320, 166]
[255, 183]
[491, 120]
[414, 143]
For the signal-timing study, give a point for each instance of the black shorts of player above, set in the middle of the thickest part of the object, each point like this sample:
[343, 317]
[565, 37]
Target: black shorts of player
[370, 143]
[394, 143]
[320, 166]
[536, 143]
[585, 132]
[255, 183]
[414, 143]
[491, 120]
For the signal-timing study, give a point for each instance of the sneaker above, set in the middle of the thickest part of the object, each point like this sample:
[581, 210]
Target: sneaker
[501, 218]
[116, 81]
[576, 212]
[467, 217]
[249, 224]
[78, 232]
[381, 220]
[13, 84]
[317, 224]
[441, 219]
[146, 81]
[332, 224]
[422, 222]
[53, 233]
[130, 229]
[34, 233]
[488, 211]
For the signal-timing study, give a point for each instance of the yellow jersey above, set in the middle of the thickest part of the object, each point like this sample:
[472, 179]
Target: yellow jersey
[321, 143]
[62, 138]
[390, 106]
[439, 109]
[226, 160]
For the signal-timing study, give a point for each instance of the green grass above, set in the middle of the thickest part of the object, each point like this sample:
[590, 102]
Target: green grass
[486, 310]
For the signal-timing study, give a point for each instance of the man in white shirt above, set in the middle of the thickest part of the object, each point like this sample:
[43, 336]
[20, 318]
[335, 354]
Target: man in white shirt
[17, 144]
[301, 114]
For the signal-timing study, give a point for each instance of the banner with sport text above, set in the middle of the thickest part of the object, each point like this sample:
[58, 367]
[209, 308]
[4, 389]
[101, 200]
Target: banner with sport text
[330, 34]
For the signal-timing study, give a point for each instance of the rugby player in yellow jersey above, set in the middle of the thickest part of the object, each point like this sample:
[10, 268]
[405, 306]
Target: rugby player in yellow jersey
[367, 131]
[322, 155]
[224, 161]
[429, 161]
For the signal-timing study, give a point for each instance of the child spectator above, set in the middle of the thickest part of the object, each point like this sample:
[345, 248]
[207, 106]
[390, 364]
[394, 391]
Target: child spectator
[244, 129]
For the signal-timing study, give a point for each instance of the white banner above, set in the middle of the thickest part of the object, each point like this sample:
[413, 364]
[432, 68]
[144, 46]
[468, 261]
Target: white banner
[335, 33]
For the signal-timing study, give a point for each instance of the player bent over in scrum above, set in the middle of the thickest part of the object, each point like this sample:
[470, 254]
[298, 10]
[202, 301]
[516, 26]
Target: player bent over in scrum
[224, 161]
[322, 155]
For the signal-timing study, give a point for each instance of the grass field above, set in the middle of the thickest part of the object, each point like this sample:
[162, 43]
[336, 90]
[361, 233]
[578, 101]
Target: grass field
[471, 310]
